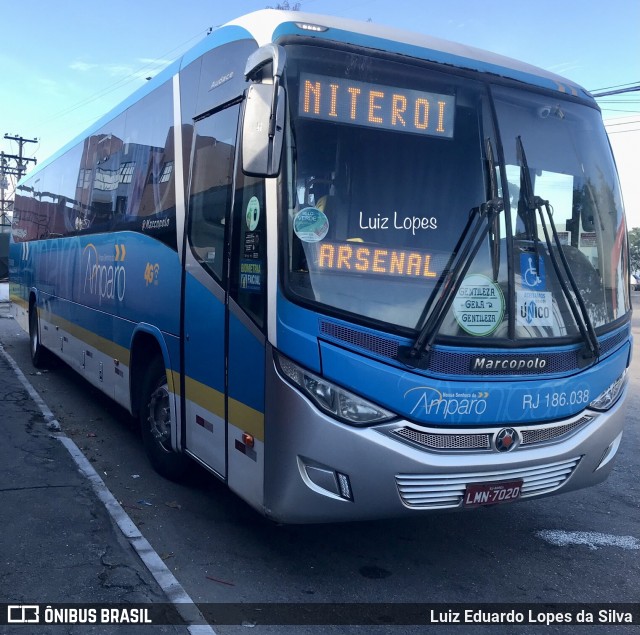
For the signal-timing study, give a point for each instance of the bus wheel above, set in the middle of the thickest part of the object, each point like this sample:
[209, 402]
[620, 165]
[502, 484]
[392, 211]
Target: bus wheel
[155, 421]
[38, 351]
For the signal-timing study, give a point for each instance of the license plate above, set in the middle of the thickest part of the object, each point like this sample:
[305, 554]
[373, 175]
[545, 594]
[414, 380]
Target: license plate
[492, 493]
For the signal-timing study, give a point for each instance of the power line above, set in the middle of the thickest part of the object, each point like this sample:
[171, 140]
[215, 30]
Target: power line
[152, 66]
[620, 101]
[622, 123]
[623, 131]
[619, 91]
[620, 110]
[616, 86]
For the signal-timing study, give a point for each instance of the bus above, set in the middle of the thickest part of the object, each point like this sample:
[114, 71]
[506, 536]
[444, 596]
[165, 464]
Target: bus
[354, 272]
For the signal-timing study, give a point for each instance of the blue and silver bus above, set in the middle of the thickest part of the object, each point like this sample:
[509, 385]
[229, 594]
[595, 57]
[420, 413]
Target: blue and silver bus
[355, 272]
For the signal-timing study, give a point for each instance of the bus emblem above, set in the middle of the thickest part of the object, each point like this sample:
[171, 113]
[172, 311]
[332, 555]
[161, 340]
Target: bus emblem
[506, 440]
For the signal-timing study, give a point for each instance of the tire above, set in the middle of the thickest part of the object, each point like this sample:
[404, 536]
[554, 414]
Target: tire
[155, 423]
[39, 354]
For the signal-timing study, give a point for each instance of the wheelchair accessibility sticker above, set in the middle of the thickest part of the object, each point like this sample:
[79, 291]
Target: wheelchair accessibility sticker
[532, 272]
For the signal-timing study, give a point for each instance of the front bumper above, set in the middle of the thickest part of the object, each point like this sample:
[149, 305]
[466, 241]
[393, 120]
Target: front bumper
[308, 455]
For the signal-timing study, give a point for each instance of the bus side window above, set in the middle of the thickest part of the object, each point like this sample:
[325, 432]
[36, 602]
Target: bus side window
[249, 252]
[211, 188]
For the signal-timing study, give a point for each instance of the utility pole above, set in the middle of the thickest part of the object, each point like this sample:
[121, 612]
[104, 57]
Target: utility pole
[4, 185]
[21, 160]
[7, 169]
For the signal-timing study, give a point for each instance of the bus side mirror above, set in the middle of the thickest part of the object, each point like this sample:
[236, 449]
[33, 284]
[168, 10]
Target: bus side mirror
[263, 123]
[263, 130]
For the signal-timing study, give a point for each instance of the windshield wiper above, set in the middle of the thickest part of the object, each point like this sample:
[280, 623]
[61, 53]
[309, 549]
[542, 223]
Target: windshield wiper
[481, 220]
[533, 203]
[494, 226]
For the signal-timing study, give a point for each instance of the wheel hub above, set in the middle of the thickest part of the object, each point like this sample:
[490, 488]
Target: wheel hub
[160, 416]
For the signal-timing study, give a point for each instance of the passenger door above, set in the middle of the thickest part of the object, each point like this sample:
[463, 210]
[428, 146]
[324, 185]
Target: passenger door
[246, 347]
[205, 287]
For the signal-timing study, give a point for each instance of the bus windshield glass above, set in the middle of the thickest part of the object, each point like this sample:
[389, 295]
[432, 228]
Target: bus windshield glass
[385, 164]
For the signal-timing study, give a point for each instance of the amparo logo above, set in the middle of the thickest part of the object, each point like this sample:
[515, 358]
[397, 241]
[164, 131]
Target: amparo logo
[104, 274]
[432, 402]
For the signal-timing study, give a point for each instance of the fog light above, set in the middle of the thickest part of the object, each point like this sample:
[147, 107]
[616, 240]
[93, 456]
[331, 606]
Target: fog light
[345, 486]
[325, 480]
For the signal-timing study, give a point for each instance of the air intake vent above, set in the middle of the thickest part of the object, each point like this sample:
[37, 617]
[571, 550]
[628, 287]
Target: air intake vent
[442, 491]
[543, 434]
[444, 441]
[361, 339]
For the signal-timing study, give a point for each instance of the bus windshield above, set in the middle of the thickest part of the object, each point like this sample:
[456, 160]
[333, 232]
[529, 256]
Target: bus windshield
[385, 164]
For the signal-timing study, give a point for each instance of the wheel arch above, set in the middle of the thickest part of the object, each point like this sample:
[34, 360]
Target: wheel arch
[40, 356]
[147, 342]
[33, 298]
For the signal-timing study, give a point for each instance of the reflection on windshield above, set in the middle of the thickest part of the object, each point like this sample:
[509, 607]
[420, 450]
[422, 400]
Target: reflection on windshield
[375, 214]
[571, 167]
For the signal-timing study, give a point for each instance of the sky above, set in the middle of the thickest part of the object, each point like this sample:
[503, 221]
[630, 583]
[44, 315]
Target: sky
[64, 64]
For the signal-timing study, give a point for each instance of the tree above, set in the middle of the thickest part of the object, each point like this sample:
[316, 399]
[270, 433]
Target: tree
[285, 6]
[634, 250]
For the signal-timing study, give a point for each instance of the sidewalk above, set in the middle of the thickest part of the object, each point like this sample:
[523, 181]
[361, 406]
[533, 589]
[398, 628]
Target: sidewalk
[58, 543]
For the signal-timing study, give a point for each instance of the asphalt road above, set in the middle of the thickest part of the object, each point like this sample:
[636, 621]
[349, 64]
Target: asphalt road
[579, 547]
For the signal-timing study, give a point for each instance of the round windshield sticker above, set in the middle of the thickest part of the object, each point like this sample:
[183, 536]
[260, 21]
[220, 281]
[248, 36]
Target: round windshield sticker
[253, 213]
[479, 305]
[310, 225]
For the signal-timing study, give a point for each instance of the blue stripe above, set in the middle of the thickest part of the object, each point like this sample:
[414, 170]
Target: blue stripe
[140, 277]
[480, 402]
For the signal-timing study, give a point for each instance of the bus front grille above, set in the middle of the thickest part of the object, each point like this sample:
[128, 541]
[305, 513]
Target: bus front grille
[446, 491]
[443, 441]
[481, 440]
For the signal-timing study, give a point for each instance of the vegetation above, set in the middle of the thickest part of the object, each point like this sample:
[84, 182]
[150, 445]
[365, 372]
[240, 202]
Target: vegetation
[286, 6]
[634, 250]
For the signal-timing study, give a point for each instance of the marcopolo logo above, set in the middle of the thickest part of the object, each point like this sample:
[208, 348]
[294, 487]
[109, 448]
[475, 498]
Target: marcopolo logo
[507, 365]
[430, 402]
[105, 276]
[158, 223]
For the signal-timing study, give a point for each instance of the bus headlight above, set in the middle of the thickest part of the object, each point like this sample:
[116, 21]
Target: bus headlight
[610, 395]
[332, 399]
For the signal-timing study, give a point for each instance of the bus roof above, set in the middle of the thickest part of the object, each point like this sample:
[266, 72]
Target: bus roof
[273, 25]
[270, 25]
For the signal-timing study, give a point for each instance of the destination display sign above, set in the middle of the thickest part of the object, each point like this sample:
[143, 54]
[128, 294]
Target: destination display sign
[376, 106]
[364, 259]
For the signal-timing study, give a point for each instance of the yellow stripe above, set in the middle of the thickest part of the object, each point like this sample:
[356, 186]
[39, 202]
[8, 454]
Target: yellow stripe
[173, 379]
[18, 300]
[109, 348]
[241, 416]
[103, 345]
[246, 418]
[205, 396]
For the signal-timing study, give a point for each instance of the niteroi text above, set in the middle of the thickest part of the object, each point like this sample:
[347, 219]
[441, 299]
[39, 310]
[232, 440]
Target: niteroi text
[376, 106]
